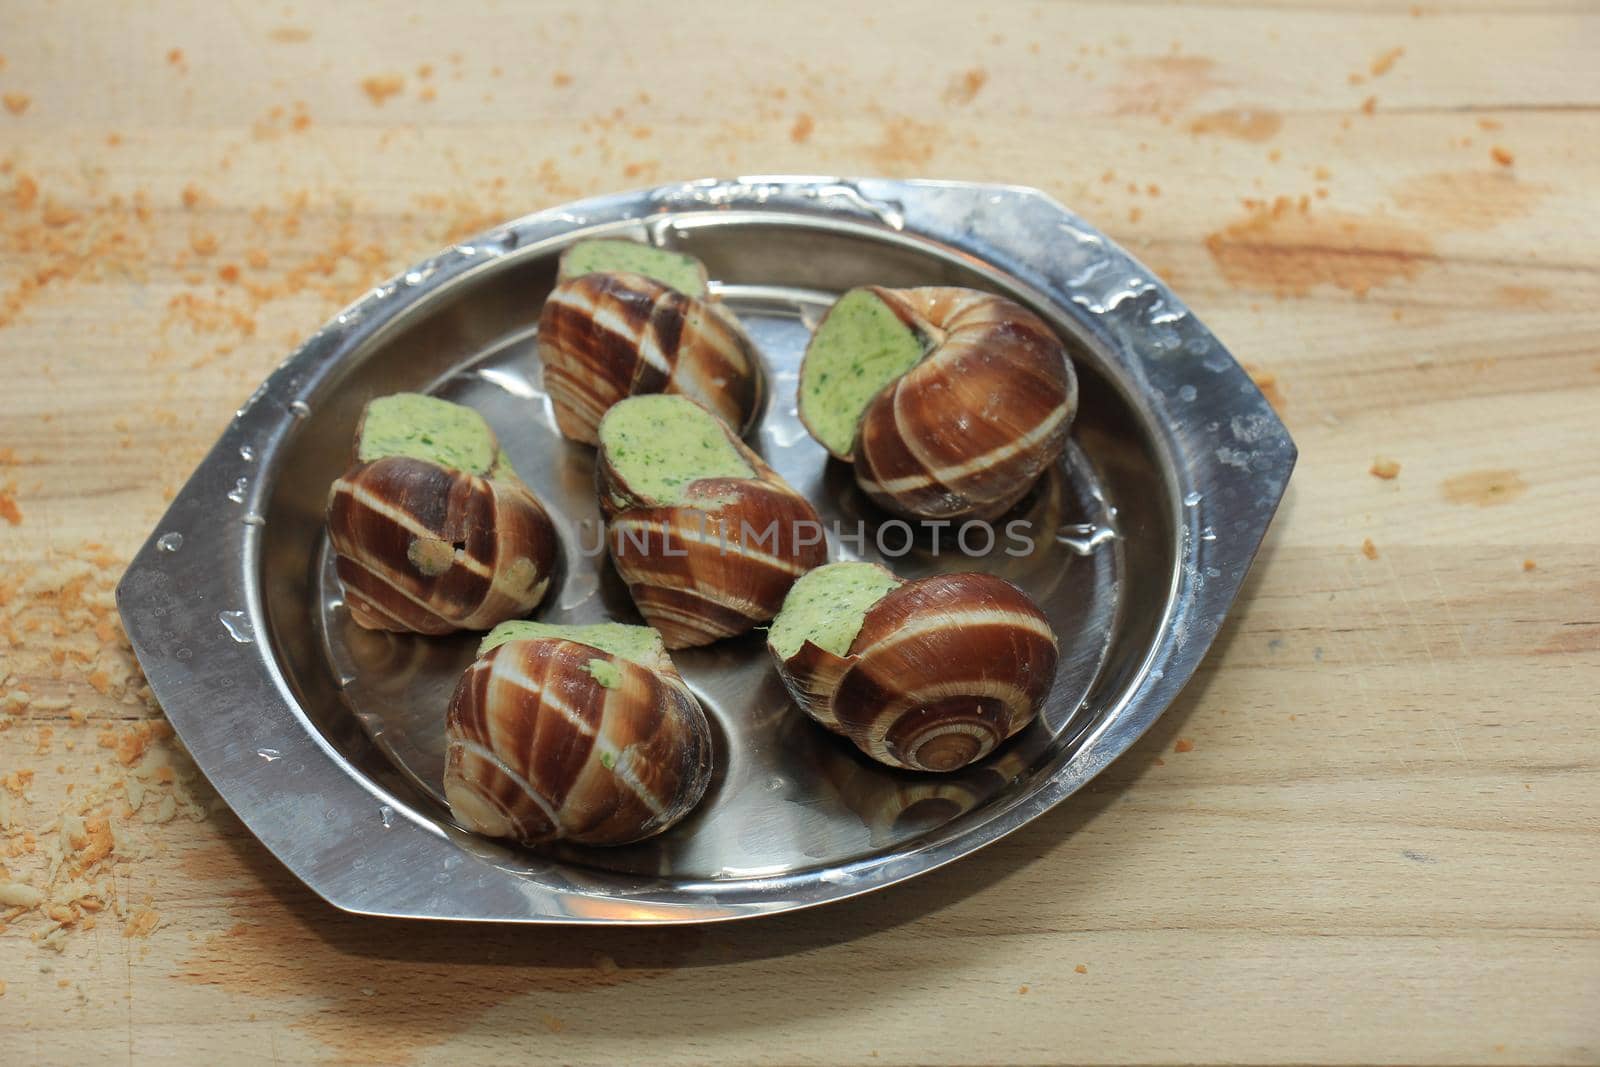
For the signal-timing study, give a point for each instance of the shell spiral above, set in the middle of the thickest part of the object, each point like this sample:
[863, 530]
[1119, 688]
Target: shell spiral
[540, 750]
[966, 432]
[606, 336]
[943, 671]
[426, 549]
[718, 565]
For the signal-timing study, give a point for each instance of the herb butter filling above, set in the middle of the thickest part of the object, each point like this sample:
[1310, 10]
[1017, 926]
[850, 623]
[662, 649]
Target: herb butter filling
[681, 272]
[827, 607]
[860, 347]
[661, 444]
[636, 644]
[425, 427]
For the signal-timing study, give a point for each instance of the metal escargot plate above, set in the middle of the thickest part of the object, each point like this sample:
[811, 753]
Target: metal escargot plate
[327, 740]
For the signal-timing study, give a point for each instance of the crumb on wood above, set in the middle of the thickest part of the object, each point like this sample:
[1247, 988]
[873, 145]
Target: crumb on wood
[1386, 61]
[1369, 106]
[17, 103]
[1502, 156]
[965, 87]
[1369, 549]
[1528, 565]
[380, 87]
[800, 132]
[1082, 968]
[143, 923]
[1387, 469]
[561, 79]
[1183, 745]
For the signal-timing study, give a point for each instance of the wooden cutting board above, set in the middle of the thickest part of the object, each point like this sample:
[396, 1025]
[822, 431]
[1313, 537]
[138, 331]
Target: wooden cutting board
[1366, 833]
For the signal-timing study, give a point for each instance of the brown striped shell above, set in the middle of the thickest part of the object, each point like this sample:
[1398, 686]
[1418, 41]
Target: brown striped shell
[944, 670]
[422, 548]
[718, 565]
[539, 750]
[606, 336]
[967, 431]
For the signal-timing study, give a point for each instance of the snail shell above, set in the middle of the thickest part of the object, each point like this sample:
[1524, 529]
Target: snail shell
[422, 546]
[967, 430]
[540, 749]
[606, 336]
[943, 670]
[719, 560]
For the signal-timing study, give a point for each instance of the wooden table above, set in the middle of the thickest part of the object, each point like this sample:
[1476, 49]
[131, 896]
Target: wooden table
[1368, 831]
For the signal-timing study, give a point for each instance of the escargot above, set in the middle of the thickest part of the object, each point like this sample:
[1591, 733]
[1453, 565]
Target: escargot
[585, 734]
[950, 402]
[626, 319]
[707, 537]
[928, 675]
[431, 529]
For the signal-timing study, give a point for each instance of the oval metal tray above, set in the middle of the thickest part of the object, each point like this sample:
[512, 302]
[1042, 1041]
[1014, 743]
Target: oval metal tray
[327, 740]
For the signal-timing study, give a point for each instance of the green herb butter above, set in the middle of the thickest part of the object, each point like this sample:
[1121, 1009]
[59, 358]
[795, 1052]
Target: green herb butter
[827, 606]
[860, 347]
[683, 273]
[605, 672]
[425, 427]
[636, 644]
[661, 443]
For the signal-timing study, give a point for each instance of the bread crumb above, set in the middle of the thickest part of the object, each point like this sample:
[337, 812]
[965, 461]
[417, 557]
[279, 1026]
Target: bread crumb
[380, 87]
[800, 132]
[966, 86]
[25, 192]
[428, 94]
[1369, 549]
[175, 57]
[1387, 469]
[1386, 61]
[1183, 745]
[1528, 565]
[1082, 968]
[204, 244]
[1369, 105]
[142, 924]
[553, 1024]
[191, 195]
[1501, 156]
[17, 103]
[561, 79]
[1022, 990]
[9, 510]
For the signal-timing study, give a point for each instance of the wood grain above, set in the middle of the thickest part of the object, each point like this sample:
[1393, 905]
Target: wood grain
[1365, 834]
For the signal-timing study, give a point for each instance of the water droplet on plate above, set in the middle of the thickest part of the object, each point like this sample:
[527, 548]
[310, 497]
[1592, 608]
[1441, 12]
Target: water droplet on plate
[386, 815]
[236, 494]
[1192, 499]
[268, 754]
[247, 453]
[1208, 534]
[183, 654]
[238, 625]
[1084, 537]
[299, 408]
[169, 542]
[253, 519]
[1187, 393]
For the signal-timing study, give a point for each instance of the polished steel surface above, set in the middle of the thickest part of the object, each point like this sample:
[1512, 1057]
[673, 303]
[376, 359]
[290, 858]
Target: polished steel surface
[327, 740]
